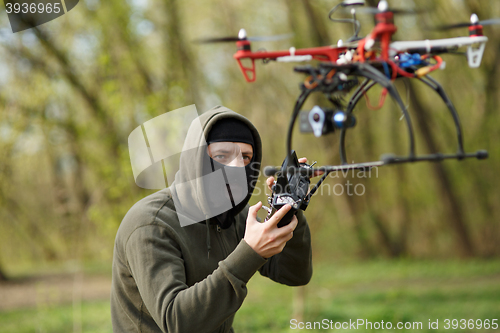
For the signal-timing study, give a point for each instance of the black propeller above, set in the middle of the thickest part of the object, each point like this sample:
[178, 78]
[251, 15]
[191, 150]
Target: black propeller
[473, 21]
[384, 7]
[242, 35]
[398, 11]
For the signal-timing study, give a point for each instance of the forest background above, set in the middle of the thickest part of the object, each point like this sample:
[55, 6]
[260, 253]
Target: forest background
[74, 89]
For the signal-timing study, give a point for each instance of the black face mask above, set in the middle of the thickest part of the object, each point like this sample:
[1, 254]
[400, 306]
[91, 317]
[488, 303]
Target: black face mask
[231, 196]
[238, 182]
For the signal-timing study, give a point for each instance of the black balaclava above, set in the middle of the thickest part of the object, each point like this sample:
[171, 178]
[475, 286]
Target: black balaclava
[231, 130]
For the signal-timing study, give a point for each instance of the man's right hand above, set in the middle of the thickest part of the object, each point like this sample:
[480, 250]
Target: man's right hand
[266, 238]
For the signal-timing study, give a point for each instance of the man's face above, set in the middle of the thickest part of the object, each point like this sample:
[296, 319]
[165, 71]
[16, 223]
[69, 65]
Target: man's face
[236, 154]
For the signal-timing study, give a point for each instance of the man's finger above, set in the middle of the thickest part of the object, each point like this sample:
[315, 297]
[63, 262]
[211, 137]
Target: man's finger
[279, 214]
[270, 181]
[287, 230]
[316, 173]
[292, 225]
[253, 210]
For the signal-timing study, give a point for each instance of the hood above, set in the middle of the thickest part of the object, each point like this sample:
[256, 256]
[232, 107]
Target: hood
[200, 195]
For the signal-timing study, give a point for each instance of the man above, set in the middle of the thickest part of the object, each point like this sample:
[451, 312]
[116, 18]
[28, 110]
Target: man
[184, 255]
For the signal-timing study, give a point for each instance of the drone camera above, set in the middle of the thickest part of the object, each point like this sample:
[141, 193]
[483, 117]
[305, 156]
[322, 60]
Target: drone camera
[321, 121]
[343, 120]
[317, 118]
[317, 121]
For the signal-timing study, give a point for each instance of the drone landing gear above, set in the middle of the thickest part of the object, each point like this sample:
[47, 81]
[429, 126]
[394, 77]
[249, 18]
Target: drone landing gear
[373, 76]
[372, 80]
[438, 157]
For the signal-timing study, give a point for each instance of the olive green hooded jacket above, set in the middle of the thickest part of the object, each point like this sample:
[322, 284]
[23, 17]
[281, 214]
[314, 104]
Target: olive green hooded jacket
[192, 278]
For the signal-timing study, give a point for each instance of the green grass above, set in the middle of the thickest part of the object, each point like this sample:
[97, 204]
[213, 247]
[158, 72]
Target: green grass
[400, 291]
[91, 317]
[392, 291]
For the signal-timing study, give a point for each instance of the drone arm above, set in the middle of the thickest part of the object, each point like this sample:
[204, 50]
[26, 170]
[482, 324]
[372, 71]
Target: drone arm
[324, 53]
[474, 55]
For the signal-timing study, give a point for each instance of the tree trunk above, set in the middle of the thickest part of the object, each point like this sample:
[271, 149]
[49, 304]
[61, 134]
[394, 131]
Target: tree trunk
[319, 32]
[299, 303]
[3, 277]
[452, 205]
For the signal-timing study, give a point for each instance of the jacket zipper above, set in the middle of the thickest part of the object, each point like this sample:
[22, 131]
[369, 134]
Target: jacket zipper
[224, 249]
[221, 239]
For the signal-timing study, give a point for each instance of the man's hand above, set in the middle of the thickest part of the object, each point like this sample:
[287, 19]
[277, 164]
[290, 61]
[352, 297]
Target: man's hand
[266, 238]
[270, 180]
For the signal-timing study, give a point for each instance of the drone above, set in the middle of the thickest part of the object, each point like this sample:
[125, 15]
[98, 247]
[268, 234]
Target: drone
[355, 67]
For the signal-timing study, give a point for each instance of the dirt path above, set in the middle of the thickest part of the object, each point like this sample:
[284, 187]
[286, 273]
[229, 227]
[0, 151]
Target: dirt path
[51, 290]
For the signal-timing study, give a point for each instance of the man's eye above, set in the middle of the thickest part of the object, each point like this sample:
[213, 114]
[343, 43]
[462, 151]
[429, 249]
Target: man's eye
[219, 157]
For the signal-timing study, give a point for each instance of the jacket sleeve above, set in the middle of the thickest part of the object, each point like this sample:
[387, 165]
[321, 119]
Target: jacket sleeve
[293, 266]
[157, 266]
